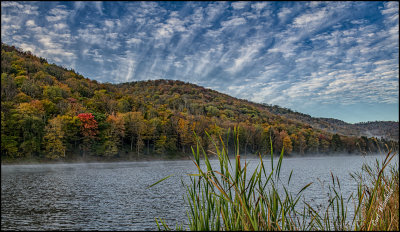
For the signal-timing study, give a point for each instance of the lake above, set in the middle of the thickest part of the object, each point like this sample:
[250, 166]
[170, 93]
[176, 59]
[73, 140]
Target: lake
[113, 196]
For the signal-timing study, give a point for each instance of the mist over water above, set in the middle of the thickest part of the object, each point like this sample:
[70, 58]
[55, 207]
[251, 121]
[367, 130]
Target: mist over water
[113, 196]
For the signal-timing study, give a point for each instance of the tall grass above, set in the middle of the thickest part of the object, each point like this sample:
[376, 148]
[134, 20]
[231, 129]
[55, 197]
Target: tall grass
[230, 197]
[380, 205]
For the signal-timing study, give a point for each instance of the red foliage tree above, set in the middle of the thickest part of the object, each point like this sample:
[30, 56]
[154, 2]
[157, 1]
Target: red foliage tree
[89, 125]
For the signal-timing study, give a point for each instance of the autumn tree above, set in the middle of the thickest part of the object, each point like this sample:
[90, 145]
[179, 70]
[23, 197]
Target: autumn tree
[313, 144]
[287, 143]
[150, 133]
[28, 120]
[161, 114]
[324, 144]
[302, 143]
[8, 87]
[336, 143]
[184, 133]
[53, 139]
[114, 134]
[135, 128]
[88, 130]
[246, 135]
[71, 127]
[214, 131]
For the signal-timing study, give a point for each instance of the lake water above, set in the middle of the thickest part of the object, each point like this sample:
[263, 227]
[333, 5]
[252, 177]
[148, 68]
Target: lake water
[113, 196]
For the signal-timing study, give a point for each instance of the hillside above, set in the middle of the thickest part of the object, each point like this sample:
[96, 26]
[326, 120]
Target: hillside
[51, 112]
[385, 129]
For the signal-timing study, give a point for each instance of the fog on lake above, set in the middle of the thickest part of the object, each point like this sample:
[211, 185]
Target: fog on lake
[113, 196]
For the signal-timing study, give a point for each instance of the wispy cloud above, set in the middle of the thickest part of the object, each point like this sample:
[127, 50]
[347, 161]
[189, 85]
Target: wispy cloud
[57, 14]
[294, 54]
[239, 5]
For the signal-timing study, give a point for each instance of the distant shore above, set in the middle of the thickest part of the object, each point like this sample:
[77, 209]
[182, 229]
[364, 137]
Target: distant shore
[136, 158]
[95, 159]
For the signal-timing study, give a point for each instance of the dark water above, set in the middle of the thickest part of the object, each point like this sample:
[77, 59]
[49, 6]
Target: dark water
[113, 196]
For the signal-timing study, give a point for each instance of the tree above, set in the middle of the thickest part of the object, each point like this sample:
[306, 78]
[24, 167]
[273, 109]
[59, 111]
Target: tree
[287, 144]
[336, 143]
[313, 144]
[160, 145]
[165, 113]
[135, 128]
[71, 127]
[53, 139]
[124, 105]
[165, 144]
[302, 143]
[246, 134]
[32, 89]
[212, 111]
[88, 130]
[28, 120]
[323, 143]
[350, 144]
[8, 87]
[9, 144]
[114, 134]
[184, 133]
[53, 93]
[150, 133]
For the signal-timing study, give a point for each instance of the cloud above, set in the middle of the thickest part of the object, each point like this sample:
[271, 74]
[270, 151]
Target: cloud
[60, 26]
[247, 54]
[215, 9]
[30, 23]
[99, 6]
[239, 5]
[21, 8]
[134, 41]
[283, 13]
[57, 14]
[172, 25]
[390, 8]
[286, 53]
[259, 5]
[310, 19]
[233, 22]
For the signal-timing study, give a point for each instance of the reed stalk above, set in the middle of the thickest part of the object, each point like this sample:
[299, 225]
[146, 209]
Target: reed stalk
[230, 197]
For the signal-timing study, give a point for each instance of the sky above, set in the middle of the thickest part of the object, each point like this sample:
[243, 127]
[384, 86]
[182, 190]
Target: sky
[326, 59]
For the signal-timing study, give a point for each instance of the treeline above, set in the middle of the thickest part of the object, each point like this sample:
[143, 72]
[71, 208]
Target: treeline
[386, 129]
[51, 112]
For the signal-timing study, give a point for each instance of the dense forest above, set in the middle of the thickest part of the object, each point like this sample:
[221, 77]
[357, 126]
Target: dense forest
[53, 113]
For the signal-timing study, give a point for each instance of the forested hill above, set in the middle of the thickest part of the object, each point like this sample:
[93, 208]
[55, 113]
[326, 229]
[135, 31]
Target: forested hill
[385, 129]
[50, 112]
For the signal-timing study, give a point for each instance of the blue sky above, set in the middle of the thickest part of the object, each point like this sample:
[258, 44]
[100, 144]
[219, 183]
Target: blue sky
[327, 59]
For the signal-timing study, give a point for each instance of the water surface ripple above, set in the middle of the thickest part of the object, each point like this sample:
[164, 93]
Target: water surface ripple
[113, 196]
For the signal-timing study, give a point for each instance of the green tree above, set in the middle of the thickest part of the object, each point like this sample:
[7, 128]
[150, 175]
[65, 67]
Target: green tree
[114, 134]
[8, 87]
[53, 139]
[135, 129]
[336, 143]
[9, 144]
[71, 127]
[313, 144]
[53, 93]
[28, 120]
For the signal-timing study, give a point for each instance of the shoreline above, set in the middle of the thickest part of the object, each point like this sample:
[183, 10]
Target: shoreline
[149, 158]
